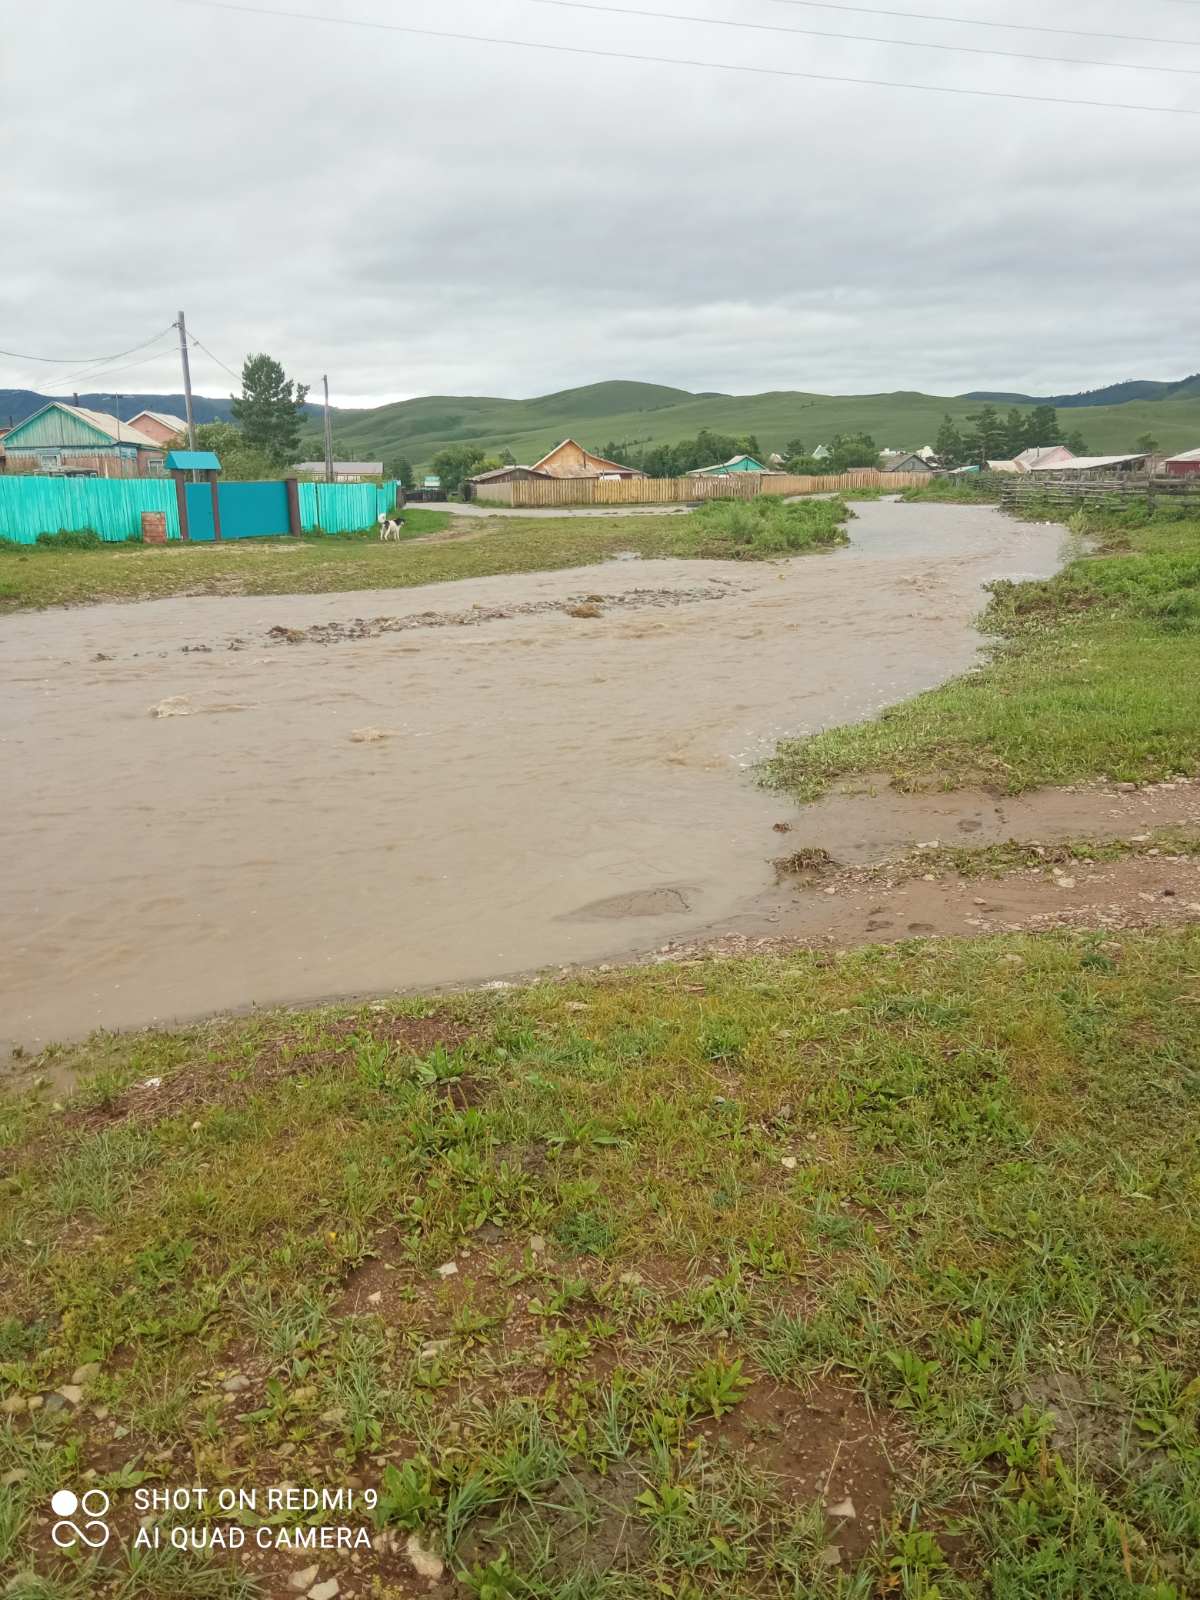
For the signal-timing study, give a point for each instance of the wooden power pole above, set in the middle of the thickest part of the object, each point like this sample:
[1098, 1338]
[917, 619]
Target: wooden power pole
[187, 382]
[328, 434]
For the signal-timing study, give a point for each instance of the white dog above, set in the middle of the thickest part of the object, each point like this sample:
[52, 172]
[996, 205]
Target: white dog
[389, 528]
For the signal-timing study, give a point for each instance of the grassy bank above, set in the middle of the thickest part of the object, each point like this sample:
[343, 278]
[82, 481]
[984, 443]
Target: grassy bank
[36, 576]
[812, 1277]
[1095, 672]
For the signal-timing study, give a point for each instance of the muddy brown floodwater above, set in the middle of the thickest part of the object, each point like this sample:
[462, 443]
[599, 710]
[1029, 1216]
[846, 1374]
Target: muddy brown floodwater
[263, 818]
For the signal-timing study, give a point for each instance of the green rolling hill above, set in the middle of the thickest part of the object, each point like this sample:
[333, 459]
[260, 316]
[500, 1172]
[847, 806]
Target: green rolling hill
[652, 413]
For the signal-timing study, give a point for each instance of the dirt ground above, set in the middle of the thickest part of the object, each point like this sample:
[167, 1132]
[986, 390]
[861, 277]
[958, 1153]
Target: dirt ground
[871, 885]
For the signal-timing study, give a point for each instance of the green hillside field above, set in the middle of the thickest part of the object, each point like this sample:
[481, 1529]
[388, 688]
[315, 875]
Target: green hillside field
[651, 413]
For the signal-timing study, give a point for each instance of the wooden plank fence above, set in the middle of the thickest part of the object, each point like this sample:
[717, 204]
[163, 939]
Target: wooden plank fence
[539, 493]
[1063, 491]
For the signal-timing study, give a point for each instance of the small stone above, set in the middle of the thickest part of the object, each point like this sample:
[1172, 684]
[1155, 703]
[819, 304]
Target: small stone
[576, 1005]
[831, 1556]
[537, 1245]
[334, 1417]
[790, 1163]
[14, 1475]
[72, 1393]
[375, 1299]
[434, 1348]
[151, 1083]
[100, 1413]
[630, 1279]
[448, 1269]
[86, 1373]
[13, 1405]
[236, 1383]
[304, 1397]
[1061, 882]
[844, 1509]
[425, 1563]
[197, 1125]
[35, 1402]
[324, 1591]
[1127, 788]
[304, 1579]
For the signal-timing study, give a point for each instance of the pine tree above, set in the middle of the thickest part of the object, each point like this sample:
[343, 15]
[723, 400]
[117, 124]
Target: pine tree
[949, 446]
[270, 409]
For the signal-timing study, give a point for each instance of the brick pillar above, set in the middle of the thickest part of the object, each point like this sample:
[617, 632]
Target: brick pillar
[154, 527]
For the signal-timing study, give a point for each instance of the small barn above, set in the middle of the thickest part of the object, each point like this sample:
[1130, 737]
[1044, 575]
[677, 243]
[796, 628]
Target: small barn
[1183, 466]
[1091, 466]
[903, 461]
[483, 481]
[570, 460]
[73, 442]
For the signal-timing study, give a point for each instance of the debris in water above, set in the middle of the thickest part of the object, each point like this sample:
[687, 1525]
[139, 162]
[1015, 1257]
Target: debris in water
[176, 705]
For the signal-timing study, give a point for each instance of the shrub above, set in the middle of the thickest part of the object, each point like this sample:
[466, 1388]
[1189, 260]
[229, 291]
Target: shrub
[71, 539]
[766, 527]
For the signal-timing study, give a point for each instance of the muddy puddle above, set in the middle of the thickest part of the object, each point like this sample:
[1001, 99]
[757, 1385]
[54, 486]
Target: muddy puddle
[200, 816]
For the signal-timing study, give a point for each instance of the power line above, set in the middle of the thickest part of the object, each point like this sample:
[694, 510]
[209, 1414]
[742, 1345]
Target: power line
[93, 375]
[236, 376]
[980, 22]
[86, 361]
[861, 38]
[677, 61]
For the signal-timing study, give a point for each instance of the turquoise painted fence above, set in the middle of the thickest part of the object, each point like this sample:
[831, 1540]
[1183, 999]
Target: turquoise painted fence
[344, 507]
[112, 506]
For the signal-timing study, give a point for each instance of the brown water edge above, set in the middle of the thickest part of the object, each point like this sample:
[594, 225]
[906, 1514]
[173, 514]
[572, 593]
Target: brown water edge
[439, 806]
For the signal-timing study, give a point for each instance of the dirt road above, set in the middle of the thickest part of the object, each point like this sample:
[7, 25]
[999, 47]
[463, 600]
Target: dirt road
[206, 813]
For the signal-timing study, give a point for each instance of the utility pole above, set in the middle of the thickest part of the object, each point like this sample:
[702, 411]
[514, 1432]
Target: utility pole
[328, 434]
[187, 381]
[117, 402]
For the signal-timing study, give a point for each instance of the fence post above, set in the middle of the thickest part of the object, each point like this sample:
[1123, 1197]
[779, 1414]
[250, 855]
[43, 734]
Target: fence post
[216, 505]
[293, 502]
[185, 532]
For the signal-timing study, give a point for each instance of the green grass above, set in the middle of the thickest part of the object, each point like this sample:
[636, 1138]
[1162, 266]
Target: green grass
[33, 576]
[655, 414]
[1095, 673]
[945, 1182]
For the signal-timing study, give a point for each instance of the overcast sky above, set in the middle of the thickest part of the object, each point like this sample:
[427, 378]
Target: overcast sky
[424, 215]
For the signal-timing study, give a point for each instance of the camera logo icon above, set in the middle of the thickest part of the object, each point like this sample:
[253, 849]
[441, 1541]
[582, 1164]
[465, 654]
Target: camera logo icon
[93, 1506]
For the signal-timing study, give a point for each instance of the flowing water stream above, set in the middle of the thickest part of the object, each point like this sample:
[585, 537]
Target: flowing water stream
[437, 798]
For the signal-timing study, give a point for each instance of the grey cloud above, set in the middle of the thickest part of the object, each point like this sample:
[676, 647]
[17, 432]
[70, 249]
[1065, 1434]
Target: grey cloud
[418, 215]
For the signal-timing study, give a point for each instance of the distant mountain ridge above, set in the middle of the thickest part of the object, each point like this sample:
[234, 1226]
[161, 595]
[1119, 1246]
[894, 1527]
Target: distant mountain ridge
[18, 404]
[1116, 394]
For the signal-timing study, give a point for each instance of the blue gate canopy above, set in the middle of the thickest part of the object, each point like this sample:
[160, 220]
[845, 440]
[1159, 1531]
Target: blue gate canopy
[192, 461]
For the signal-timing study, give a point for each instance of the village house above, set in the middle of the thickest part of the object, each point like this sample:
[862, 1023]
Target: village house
[1043, 456]
[73, 442]
[514, 473]
[1180, 466]
[159, 426]
[723, 469]
[343, 471]
[571, 460]
[902, 461]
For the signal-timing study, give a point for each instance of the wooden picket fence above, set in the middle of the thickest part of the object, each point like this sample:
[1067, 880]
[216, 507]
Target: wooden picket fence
[540, 493]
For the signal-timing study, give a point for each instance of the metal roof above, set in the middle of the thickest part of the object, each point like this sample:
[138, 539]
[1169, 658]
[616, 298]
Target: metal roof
[116, 430]
[192, 461]
[363, 469]
[165, 418]
[1186, 455]
[1084, 463]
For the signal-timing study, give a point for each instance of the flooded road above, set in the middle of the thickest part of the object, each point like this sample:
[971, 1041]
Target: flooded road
[447, 797]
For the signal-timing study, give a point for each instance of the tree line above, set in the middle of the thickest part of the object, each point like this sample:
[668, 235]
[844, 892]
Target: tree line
[992, 437]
